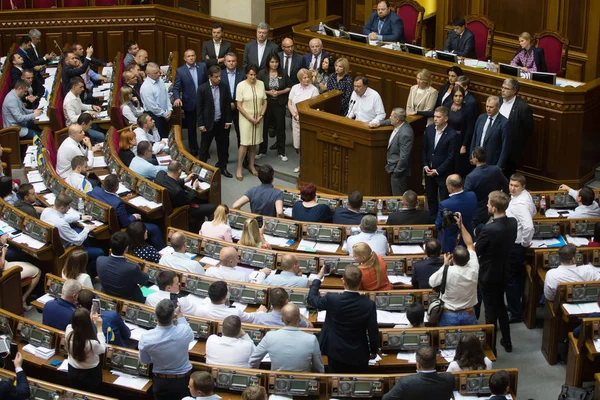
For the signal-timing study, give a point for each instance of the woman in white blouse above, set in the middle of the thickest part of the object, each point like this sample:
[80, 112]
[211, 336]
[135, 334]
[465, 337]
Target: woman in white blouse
[130, 106]
[75, 268]
[422, 96]
[469, 356]
[84, 346]
[302, 91]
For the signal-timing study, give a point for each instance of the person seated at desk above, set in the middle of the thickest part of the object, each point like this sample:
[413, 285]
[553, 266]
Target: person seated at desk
[127, 142]
[577, 330]
[588, 208]
[373, 268]
[253, 236]
[118, 276]
[499, 385]
[264, 199]
[8, 190]
[179, 259]
[308, 209]
[233, 349]
[73, 108]
[58, 312]
[75, 268]
[26, 200]
[217, 305]
[219, 227]
[115, 330]
[14, 112]
[28, 270]
[290, 276]
[78, 177]
[137, 242]
[19, 390]
[77, 144]
[278, 298]
[596, 241]
[228, 259]
[201, 387]
[469, 356]
[168, 284]
[461, 40]
[529, 57]
[365, 103]
[369, 235]
[147, 131]
[35, 92]
[422, 270]
[422, 96]
[409, 215]
[350, 215]
[568, 271]
[289, 348]
[131, 108]
[384, 25]
[133, 80]
[415, 314]
[16, 68]
[141, 164]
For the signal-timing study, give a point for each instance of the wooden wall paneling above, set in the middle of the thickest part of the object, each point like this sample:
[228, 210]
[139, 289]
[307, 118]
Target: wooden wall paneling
[530, 16]
[100, 49]
[536, 145]
[147, 39]
[281, 12]
[456, 8]
[171, 41]
[195, 44]
[85, 39]
[576, 20]
[115, 41]
[49, 39]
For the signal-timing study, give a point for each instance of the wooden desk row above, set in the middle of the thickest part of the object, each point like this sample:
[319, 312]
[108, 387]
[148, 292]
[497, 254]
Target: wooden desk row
[583, 358]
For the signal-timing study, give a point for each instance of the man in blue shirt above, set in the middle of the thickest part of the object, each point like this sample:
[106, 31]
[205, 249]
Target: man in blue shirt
[140, 164]
[351, 213]
[290, 275]
[278, 297]
[166, 347]
[58, 312]
[113, 326]
[264, 199]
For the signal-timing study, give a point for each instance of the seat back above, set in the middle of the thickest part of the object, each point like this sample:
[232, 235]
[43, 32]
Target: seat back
[556, 48]
[9, 4]
[411, 13]
[74, 3]
[50, 147]
[3, 92]
[59, 112]
[106, 2]
[43, 3]
[483, 30]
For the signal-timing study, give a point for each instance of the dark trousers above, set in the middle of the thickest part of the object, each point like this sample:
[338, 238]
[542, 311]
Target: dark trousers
[155, 237]
[235, 117]
[161, 124]
[89, 380]
[169, 389]
[510, 168]
[516, 281]
[492, 294]
[339, 367]
[275, 114]
[432, 186]
[221, 136]
[191, 122]
[399, 182]
[200, 212]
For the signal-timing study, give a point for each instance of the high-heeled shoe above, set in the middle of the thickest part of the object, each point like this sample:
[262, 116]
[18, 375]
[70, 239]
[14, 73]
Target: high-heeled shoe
[239, 178]
[255, 173]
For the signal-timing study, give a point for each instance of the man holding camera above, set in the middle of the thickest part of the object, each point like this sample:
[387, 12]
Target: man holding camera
[459, 201]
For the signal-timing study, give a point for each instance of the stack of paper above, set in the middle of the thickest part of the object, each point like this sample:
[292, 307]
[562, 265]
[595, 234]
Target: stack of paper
[163, 160]
[64, 367]
[278, 241]
[39, 187]
[236, 233]
[28, 241]
[307, 245]
[209, 261]
[581, 308]
[169, 250]
[5, 228]
[44, 353]
[245, 270]
[540, 243]
[448, 354]
[130, 381]
[287, 212]
[399, 279]
[50, 198]
[239, 306]
[312, 277]
[578, 241]
[204, 185]
[192, 344]
[391, 318]
[99, 162]
[34, 176]
[554, 213]
[327, 247]
[375, 361]
[136, 331]
[142, 202]
[321, 316]
[409, 356]
[45, 298]
[407, 249]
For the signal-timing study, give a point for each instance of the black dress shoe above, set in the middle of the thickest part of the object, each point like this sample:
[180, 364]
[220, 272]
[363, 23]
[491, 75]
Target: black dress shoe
[514, 320]
[226, 173]
[274, 147]
[194, 152]
[507, 345]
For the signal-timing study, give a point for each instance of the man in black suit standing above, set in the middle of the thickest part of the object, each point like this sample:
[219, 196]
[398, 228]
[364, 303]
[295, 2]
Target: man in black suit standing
[409, 215]
[493, 247]
[257, 51]
[520, 116]
[422, 270]
[213, 51]
[437, 154]
[214, 118]
[461, 40]
[291, 62]
[492, 132]
[427, 383]
[350, 335]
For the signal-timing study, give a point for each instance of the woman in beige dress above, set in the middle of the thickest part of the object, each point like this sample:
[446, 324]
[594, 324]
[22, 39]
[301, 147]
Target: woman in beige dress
[422, 96]
[252, 103]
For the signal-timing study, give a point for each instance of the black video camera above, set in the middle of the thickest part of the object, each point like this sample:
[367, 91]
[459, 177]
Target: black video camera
[448, 217]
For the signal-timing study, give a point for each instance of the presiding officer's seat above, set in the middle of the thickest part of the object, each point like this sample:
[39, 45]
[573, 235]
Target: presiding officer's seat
[483, 30]
[556, 48]
[411, 13]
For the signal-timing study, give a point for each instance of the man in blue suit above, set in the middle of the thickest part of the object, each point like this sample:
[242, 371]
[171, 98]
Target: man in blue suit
[232, 76]
[385, 25]
[313, 59]
[109, 196]
[461, 40]
[188, 78]
[437, 155]
[492, 132]
[460, 201]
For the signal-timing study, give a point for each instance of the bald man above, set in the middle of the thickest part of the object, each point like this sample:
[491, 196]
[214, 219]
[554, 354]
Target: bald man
[179, 259]
[141, 59]
[77, 144]
[156, 98]
[291, 62]
[289, 348]
[228, 259]
[291, 274]
[459, 201]
[492, 132]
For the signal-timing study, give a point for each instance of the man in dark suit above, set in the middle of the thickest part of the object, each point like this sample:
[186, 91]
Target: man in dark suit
[72, 67]
[28, 62]
[109, 196]
[18, 390]
[350, 335]
[214, 118]
[492, 132]
[437, 154]
[35, 52]
[422, 270]
[520, 116]
[351, 213]
[460, 201]
[313, 59]
[188, 79]
[291, 62]
[461, 40]
[118, 276]
[470, 102]
[257, 51]
[213, 51]
[493, 247]
[384, 25]
[16, 68]
[409, 215]
[131, 79]
[483, 180]
[427, 383]
[35, 92]
[232, 76]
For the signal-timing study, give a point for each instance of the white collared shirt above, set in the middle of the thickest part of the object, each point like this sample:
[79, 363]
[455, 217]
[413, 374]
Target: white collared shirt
[67, 150]
[153, 138]
[507, 106]
[181, 262]
[73, 107]
[68, 235]
[261, 50]
[568, 273]
[488, 123]
[233, 352]
[591, 211]
[522, 209]
[394, 134]
[217, 48]
[438, 135]
[366, 108]
[454, 194]
[231, 274]
[79, 182]
[461, 284]
[187, 303]
[205, 308]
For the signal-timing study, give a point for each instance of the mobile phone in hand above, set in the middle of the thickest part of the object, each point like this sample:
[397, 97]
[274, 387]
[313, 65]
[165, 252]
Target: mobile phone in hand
[96, 306]
[14, 349]
[173, 297]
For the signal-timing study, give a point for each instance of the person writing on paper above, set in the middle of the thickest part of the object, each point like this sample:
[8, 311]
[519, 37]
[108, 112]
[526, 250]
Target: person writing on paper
[278, 297]
[373, 268]
[377, 241]
[384, 25]
[365, 103]
[568, 271]
[233, 349]
[422, 96]
[529, 57]
[290, 276]
[179, 259]
[225, 269]
[588, 207]
[218, 228]
[461, 40]
[469, 356]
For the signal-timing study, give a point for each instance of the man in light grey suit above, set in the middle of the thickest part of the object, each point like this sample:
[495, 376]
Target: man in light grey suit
[399, 150]
[289, 348]
[257, 51]
[14, 112]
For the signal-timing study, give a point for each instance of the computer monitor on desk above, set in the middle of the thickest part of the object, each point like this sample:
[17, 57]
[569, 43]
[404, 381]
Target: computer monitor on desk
[357, 37]
[412, 49]
[444, 55]
[329, 31]
[544, 77]
[508, 69]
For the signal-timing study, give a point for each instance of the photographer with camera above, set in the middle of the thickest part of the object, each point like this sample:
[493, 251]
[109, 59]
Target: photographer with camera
[461, 202]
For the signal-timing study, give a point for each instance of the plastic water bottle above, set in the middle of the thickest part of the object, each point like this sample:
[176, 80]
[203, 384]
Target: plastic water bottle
[321, 28]
[490, 66]
[80, 206]
[543, 205]
[113, 171]
[379, 208]
[32, 159]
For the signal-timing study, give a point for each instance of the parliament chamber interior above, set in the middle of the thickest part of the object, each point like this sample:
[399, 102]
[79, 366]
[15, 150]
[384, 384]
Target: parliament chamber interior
[381, 170]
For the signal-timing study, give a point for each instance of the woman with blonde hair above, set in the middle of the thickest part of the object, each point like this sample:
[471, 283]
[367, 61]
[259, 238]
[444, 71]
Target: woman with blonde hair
[422, 96]
[130, 106]
[529, 57]
[127, 141]
[218, 228]
[75, 268]
[253, 236]
[373, 268]
[343, 82]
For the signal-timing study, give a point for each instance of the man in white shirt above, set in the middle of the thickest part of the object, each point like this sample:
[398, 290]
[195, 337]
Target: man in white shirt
[521, 208]
[178, 259]
[201, 387]
[567, 271]
[226, 268]
[460, 296]
[72, 104]
[216, 306]
[289, 348]
[78, 177]
[168, 283]
[141, 165]
[156, 98]
[77, 144]
[278, 297]
[146, 131]
[233, 349]
[588, 208]
[365, 103]
[369, 235]
[290, 276]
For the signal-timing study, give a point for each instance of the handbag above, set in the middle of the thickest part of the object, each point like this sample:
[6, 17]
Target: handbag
[576, 393]
[436, 307]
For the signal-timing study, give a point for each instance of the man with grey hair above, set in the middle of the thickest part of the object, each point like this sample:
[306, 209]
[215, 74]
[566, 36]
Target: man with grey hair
[34, 52]
[156, 99]
[369, 235]
[520, 116]
[58, 312]
[257, 51]
[399, 149]
[290, 276]
[492, 132]
[179, 259]
[313, 59]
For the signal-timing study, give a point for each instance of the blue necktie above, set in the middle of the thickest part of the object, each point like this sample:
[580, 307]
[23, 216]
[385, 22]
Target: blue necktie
[194, 74]
[379, 27]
